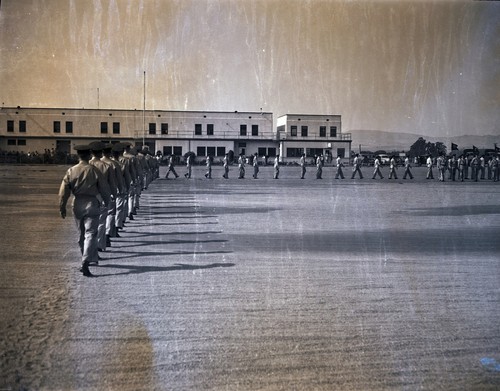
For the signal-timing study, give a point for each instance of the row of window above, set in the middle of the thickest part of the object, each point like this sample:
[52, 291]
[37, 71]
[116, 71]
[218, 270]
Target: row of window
[16, 142]
[304, 131]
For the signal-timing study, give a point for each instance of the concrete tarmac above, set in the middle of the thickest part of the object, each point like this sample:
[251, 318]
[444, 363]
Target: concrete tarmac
[259, 284]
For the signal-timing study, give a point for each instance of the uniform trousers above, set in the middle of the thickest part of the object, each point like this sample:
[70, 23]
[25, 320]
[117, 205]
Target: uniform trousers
[86, 212]
[111, 219]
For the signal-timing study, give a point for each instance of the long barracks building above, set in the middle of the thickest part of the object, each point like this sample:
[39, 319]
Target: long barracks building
[174, 132]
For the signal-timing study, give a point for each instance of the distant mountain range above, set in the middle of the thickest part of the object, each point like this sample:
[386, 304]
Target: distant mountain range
[373, 140]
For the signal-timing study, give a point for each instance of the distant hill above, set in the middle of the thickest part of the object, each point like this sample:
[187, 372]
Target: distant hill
[373, 140]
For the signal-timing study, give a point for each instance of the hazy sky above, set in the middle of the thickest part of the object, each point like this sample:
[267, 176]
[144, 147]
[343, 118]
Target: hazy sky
[427, 67]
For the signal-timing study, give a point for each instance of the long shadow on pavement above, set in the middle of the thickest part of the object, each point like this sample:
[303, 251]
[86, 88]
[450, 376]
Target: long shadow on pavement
[132, 269]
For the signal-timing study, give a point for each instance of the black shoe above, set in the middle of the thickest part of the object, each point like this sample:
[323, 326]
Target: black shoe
[131, 216]
[117, 235]
[108, 241]
[85, 270]
[101, 249]
[94, 263]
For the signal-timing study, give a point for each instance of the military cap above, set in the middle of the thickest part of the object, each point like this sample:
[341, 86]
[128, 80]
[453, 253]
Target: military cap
[82, 148]
[96, 146]
[118, 147]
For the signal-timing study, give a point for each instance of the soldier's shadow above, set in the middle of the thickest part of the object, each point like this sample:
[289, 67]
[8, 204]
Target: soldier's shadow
[133, 269]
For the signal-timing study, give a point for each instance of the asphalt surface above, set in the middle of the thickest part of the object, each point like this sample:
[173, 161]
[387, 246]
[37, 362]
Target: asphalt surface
[260, 284]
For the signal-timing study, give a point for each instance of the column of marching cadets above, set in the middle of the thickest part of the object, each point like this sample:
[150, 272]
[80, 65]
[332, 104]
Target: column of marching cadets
[106, 184]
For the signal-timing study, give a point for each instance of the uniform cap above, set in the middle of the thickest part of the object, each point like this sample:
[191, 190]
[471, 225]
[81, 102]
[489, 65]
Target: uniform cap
[118, 147]
[96, 146]
[82, 147]
[108, 147]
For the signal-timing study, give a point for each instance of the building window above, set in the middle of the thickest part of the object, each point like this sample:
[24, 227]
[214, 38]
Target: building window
[164, 128]
[210, 129]
[22, 126]
[104, 127]
[10, 126]
[178, 151]
[310, 152]
[271, 152]
[21, 142]
[333, 131]
[167, 150]
[152, 128]
[322, 131]
[303, 131]
[11, 142]
[221, 151]
[293, 131]
[69, 127]
[197, 129]
[261, 151]
[116, 128]
[200, 151]
[243, 130]
[294, 152]
[57, 126]
[255, 130]
[210, 151]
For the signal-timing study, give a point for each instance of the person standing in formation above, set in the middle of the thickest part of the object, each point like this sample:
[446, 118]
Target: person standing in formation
[474, 163]
[208, 174]
[303, 166]
[356, 167]
[189, 165]
[407, 168]
[441, 167]
[111, 231]
[429, 164]
[107, 172]
[495, 169]
[226, 166]
[90, 190]
[319, 167]
[134, 184]
[255, 166]
[482, 166]
[376, 172]
[241, 166]
[339, 173]
[277, 167]
[122, 200]
[392, 168]
[460, 167]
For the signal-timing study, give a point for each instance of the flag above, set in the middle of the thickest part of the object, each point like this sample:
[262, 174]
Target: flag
[496, 148]
[454, 147]
[474, 148]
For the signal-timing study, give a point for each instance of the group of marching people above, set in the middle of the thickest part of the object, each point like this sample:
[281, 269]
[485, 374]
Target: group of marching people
[106, 184]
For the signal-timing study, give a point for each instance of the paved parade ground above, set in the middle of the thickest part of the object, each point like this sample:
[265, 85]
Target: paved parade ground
[260, 284]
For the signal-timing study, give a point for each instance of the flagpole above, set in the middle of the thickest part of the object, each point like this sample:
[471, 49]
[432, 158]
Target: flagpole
[144, 114]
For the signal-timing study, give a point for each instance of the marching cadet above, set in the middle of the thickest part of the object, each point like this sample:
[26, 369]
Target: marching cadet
[475, 168]
[441, 167]
[108, 174]
[255, 164]
[495, 168]
[392, 168]
[120, 191]
[189, 164]
[356, 167]
[277, 167]
[482, 166]
[241, 166]
[226, 166]
[429, 164]
[122, 200]
[171, 168]
[89, 189]
[466, 167]
[452, 167]
[319, 167]
[302, 166]
[133, 188]
[339, 173]
[376, 164]
[144, 168]
[208, 174]
[407, 168]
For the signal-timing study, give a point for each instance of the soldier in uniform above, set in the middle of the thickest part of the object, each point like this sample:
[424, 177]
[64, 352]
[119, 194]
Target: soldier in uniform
[226, 166]
[339, 173]
[122, 199]
[90, 190]
[495, 169]
[461, 164]
[441, 167]
[407, 168]
[255, 166]
[356, 167]
[376, 171]
[128, 154]
[302, 166]
[107, 171]
[208, 174]
[111, 230]
[277, 167]
[475, 168]
[241, 166]
[482, 166]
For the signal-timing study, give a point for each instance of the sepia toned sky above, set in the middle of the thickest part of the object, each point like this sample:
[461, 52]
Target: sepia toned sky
[426, 67]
